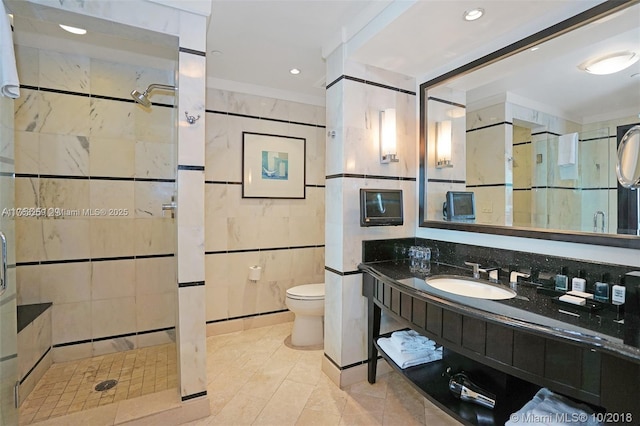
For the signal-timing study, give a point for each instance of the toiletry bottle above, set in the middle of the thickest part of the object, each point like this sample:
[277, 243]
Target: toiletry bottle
[618, 292]
[601, 292]
[579, 283]
[562, 281]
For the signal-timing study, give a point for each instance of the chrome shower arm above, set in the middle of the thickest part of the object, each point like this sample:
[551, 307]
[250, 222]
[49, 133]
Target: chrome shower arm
[155, 86]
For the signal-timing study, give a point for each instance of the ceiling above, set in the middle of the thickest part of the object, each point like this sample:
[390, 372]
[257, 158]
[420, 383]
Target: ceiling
[252, 44]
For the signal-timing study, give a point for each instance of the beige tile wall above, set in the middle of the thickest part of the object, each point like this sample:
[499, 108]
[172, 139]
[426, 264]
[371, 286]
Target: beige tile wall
[284, 236]
[77, 152]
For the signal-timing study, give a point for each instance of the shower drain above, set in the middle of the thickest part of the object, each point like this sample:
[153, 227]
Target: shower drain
[105, 385]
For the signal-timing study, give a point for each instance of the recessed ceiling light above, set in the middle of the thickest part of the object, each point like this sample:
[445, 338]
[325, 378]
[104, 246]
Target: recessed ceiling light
[534, 48]
[610, 64]
[216, 52]
[294, 71]
[473, 14]
[73, 30]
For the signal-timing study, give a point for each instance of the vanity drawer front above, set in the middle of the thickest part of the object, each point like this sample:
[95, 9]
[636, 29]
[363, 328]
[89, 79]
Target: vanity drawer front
[406, 304]
[419, 313]
[528, 353]
[499, 343]
[452, 327]
[474, 334]
[434, 320]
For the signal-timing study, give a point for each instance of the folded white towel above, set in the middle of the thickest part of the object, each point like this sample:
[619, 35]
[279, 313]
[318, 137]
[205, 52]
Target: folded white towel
[9, 83]
[404, 360]
[411, 341]
[548, 408]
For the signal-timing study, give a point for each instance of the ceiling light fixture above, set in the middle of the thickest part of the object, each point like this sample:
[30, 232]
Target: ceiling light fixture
[294, 71]
[473, 14]
[73, 30]
[610, 64]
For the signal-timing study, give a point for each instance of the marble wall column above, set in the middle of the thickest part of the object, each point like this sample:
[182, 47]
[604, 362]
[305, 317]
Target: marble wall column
[191, 321]
[355, 96]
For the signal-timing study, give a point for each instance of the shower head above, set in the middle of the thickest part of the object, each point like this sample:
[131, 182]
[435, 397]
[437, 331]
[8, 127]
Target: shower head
[143, 98]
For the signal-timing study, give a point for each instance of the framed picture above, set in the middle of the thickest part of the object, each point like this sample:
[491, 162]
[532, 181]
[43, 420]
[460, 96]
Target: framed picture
[273, 166]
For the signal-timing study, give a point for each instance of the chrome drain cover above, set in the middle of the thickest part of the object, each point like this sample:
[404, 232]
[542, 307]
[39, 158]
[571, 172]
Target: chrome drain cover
[106, 385]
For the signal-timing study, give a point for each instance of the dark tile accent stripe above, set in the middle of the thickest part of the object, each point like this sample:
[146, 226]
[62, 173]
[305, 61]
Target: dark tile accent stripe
[188, 167]
[118, 336]
[444, 101]
[128, 179]
[8, 357]
[192, 51]
[247, 316]
[446, 181]
[191, 284]
[88, 95]
[262, 249]
[35, 365]
[522, 143]
[256, 117]
[342, 274]
[346, 367]
[522, 189]
[502, 123]
[194, 395]
[359, 176]
[603, 188]
[370, 83]
[221, 182]
[98, 339]
[546, 132]
[315, 186]
[7, 174]
[599, 138]
[97, 259]
[489, 185]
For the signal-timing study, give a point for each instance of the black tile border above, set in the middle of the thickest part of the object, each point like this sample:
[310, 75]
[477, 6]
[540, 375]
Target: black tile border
[257, 117]
[490, 185]
[444, 101]
[464, 182]
[99, 339]
[370, 83]
[194, 395]
[260, 314]
[192, 51]
[346, 367]
[26, 376]
[191, 284]
[251, 250]
[8, 357]
[89, 95]
[501, 123]
[221, 182]
[361, 176]
[119, 178]
[187, 167]
[342, 273]
[96, 259]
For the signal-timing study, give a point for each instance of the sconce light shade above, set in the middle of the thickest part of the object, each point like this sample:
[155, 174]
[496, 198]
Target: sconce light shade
[443, 144]
[388, 149]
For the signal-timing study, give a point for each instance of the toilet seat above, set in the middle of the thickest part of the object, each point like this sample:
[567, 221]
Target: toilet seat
[306, 292]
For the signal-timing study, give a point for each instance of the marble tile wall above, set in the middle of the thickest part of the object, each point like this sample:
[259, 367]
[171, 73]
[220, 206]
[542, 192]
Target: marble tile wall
[285, 237]
[355, 95]
[99, 167]
[522, 159]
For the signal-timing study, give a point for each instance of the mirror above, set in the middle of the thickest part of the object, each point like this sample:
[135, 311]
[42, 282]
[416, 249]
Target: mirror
[628, 164]
[533, 131]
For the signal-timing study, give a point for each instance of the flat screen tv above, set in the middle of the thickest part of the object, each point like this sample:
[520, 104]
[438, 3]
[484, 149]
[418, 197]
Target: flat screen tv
[381, 207]
[460, 206]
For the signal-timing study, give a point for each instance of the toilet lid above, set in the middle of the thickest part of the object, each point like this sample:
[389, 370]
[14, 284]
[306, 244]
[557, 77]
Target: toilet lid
[307, 292]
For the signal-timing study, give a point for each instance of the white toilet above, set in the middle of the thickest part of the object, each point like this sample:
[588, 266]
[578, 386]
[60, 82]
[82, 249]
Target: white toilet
[307, 303]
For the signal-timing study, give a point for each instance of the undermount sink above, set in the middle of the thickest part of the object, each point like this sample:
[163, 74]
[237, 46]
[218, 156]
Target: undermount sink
[466, 286]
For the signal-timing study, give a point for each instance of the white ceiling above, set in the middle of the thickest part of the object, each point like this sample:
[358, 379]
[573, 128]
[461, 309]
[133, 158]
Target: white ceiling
[261, 40]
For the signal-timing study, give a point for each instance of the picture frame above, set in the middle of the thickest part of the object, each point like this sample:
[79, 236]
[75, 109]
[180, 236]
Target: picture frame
[273, 166]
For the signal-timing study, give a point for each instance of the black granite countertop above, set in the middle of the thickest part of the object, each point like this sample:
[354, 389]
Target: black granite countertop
[534, 308]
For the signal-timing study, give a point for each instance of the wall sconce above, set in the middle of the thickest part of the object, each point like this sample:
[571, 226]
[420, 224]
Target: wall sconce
[388, 149]
[443, 144]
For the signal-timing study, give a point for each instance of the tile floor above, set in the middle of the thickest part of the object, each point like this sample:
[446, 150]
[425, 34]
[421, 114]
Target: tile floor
[69, 387]
[256, 378]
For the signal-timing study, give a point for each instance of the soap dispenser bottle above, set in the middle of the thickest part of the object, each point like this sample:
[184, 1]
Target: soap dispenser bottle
[579, 283]
[601, 290]
[562, 280]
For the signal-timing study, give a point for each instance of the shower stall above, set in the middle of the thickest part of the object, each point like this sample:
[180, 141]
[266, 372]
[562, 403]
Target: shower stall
[100, 257]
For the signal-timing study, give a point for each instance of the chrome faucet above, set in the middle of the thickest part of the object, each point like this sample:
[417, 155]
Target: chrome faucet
[475, 268]
[595, 221]
[513, 276]
[492, 271]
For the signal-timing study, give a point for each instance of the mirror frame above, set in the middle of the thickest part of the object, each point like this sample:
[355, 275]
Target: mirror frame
[613, 240]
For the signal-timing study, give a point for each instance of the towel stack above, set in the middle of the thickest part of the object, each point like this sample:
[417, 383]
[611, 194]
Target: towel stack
[568, 156]
[407, 348]
[9, 84]
[548, 408]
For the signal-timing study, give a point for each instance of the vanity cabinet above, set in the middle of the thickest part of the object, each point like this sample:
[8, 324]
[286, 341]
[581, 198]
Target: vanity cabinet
[513, 361]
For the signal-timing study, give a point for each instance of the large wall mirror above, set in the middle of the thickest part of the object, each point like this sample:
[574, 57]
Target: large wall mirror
[532, 130]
